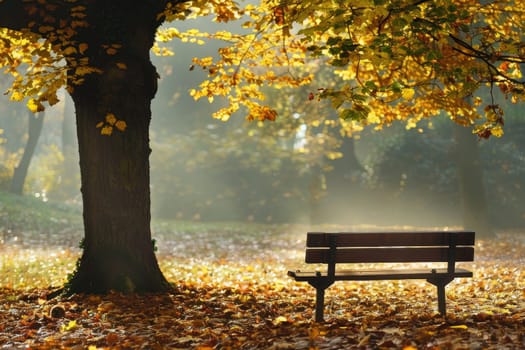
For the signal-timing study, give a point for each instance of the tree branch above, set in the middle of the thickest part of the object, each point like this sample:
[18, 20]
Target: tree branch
[486, 58]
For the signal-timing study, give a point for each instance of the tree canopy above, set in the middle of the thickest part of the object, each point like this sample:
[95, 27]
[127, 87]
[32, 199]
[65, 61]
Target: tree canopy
[394, 59]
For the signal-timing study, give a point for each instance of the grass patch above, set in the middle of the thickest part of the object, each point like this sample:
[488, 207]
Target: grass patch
[27, 213]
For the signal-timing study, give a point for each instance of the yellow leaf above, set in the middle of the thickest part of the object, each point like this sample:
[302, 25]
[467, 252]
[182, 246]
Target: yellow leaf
[78, 15]
[459, 326]
[35, 106]
[279, 320]
[70, 50]
[477, 101]
[111, 119]
[407, 93]
[411, 123]
[45, 29]
[497, 131]
[78, 8]
[121, 125]
[106, 130]
[334, 155]
[83, 70]
[122, 65]
[75, 24]
[16, 96]
[100, 124]
[70, 326]
[111, 51]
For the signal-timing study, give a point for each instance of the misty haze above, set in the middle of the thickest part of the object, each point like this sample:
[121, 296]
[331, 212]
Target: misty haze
[104, 245]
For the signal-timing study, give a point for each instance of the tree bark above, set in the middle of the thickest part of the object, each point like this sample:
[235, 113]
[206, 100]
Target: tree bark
[118, 250]
[472, 188]
[35, 123]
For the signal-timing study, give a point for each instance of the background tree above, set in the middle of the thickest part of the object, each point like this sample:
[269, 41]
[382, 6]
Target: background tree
[470, 175]
[69, 172]
[12, 136]
[34, 126]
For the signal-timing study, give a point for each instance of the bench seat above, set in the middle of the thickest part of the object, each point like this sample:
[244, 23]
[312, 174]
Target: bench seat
[369, 275]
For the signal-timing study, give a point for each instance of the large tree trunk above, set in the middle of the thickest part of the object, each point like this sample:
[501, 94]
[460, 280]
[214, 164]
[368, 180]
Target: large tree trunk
[35, 123]
[472, 188]
[118, 250]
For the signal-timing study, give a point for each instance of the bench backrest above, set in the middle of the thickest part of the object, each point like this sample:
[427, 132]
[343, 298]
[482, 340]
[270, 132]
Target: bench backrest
[389, 247]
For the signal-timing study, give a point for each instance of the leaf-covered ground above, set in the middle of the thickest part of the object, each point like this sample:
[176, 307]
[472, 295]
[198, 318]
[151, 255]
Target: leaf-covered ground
[233, 293]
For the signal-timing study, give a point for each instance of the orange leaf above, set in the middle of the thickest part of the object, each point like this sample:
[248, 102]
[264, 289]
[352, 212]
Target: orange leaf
[82, 48]
[107, 130]
[111, 119]
[121, 125]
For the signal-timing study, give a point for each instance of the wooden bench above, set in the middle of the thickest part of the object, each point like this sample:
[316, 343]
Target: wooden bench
[385, 247]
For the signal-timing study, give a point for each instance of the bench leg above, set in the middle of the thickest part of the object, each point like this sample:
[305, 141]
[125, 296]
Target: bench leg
[440, 284]
[320, 284]
[319, 305]
[442, 299]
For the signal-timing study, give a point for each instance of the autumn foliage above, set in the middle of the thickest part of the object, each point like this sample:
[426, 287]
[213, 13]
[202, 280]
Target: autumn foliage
[389, 60]
[233, 293]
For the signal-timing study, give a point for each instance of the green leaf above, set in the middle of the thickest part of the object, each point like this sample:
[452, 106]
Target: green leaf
[352, 114]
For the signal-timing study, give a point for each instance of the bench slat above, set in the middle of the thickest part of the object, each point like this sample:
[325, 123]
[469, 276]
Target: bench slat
[368, 275]
[388, 255]
[390, 239]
